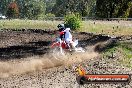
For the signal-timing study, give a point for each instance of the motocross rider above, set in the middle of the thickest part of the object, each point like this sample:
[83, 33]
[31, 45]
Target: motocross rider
[66, 35]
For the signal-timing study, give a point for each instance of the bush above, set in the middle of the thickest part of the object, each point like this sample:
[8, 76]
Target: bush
[73, 21]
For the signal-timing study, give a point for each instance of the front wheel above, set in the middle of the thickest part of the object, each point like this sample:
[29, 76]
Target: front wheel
[58, 53]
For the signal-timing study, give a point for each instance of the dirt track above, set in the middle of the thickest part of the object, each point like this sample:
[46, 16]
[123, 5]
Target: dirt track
[29, 50]
[25, 55]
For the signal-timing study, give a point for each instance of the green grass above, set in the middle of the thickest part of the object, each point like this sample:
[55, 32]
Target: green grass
[104, 27]
[28, 24]
[127, 52]
[124, 50]
[108, 27]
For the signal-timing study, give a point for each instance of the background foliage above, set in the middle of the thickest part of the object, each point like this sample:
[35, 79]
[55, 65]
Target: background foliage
[41, 9]
[12, 11]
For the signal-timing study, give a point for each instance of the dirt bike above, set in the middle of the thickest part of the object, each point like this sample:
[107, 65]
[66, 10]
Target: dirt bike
[61, 46]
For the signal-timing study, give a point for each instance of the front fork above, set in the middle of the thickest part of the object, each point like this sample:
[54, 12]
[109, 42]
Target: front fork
[60, 45]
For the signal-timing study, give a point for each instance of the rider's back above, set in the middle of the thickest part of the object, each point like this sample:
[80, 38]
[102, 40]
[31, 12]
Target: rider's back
[67, 34]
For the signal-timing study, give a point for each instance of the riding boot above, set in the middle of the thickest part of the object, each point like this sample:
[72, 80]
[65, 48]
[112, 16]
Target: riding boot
[72, 47]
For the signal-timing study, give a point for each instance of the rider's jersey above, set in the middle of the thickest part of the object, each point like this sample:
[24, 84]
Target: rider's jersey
[67, 33]
[68, 36]
[62, 35]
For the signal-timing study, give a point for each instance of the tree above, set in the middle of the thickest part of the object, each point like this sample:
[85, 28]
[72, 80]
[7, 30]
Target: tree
[13, 10]
[49, 5]
[63, 7]
[32, 9]
[4, 6]
[113, 8]
[125, 9]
